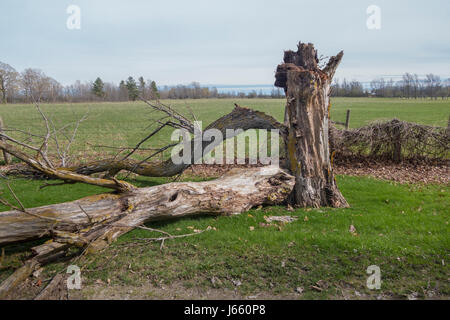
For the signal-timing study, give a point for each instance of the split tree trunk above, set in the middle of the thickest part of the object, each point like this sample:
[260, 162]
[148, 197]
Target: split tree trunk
[307, 90]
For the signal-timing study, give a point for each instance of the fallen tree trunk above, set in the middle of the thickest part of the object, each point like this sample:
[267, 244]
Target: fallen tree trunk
[94, 222]
[235, 192]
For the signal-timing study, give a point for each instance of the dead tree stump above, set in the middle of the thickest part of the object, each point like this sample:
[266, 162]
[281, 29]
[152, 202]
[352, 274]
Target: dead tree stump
[307, 90]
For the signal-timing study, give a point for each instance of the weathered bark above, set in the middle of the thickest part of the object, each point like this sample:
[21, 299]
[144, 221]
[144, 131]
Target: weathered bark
[235, 192]
[56, 287]
[307, 91]
[94, 222]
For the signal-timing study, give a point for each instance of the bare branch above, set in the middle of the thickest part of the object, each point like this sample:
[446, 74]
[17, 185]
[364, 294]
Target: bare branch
[87, 215]
[44, 147]
[69, 144]
[143, 140]
[21, 207]
[66, 175]
[183, 121]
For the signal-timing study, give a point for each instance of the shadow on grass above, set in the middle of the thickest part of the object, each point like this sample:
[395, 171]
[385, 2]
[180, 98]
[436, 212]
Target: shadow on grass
[159, 224]
[22, 247]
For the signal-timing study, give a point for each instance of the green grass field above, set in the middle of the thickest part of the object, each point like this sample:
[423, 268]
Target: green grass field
[401, 228]
[124, 124]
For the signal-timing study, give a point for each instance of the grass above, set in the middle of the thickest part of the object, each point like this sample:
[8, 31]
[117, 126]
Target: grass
[401, 228]
[125, 123]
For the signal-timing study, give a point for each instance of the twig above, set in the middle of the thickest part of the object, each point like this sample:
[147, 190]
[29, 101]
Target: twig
[172, 237]
[143, 228]
[149, 157]
[183, 121]
[22, 208]
[119, 148]
[87, 215]
[44, 147]
[55, 184]
[143, 140]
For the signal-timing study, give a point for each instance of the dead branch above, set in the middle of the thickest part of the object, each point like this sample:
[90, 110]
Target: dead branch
[63, 174]
[239, 118]
[182, 121]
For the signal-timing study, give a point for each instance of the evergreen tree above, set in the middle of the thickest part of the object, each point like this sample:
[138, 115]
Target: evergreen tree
[123, 91]
[133, 91]
[98, 88]
[154, 90]
[142, 85]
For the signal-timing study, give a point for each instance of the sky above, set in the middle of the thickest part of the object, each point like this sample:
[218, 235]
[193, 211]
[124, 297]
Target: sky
[221, 42]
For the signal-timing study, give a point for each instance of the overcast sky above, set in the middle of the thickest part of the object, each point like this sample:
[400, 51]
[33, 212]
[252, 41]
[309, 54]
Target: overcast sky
[221, 42]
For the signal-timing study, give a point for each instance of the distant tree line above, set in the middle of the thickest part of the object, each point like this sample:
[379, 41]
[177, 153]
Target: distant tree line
[409, 87]
[34, 85]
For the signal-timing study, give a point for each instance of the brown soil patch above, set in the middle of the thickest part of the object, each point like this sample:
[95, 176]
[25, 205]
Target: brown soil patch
[405, 172]
[426, 172]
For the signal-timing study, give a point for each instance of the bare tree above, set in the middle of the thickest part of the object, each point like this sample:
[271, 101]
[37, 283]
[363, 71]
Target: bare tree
[433, 84]
[8, 80]
[54, 90]
[417, 85]
[35, 83]
[409, 83]
[378, 87]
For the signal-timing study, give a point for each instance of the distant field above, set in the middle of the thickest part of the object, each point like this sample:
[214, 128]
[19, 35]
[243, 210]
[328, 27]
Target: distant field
[125, 123]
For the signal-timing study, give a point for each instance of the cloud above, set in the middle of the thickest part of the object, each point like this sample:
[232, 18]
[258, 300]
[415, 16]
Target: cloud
[220, 42]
